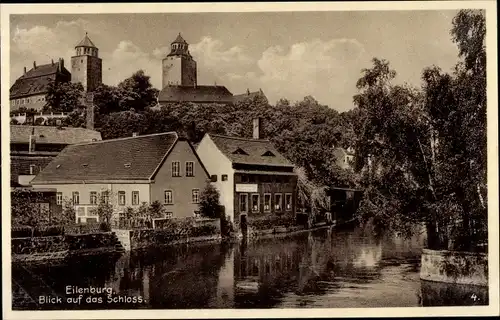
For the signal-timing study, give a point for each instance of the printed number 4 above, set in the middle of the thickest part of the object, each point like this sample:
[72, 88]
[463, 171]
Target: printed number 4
[474, 297]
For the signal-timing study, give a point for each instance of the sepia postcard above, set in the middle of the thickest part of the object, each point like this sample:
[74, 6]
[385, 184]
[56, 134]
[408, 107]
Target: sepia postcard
[208, 160]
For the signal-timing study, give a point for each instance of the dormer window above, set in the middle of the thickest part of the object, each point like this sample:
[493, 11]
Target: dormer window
[240, 151]
[268, 154]
[85, 165]
[127, 165]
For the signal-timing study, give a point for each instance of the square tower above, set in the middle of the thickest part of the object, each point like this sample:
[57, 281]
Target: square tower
[86, 66]
[179, 67]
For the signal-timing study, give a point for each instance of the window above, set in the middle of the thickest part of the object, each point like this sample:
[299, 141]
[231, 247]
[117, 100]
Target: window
[255, 203]
[59, 198]
[105, 197]
[224, 177]
[121, 198]
[268, 154]
[243, 202]
[176, 169]
[288, 201]
[93, 197]
[189, 169]
[277, 202]
[76, 197]
[197, 214]
[244, 178]
[240, 152]
[195, 195]
[135, 197]
[169, 197]
[169, 215]
[267, 202]
[32, 169]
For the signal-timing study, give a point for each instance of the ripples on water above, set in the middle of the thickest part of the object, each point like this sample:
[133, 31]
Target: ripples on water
[324, 269]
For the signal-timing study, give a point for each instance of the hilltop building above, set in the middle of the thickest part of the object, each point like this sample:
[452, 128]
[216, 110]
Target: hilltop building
[180, 84]
[30, 89]
[86, 66]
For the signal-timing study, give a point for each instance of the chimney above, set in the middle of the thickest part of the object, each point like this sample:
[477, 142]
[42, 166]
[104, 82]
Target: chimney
[248, 91]
[89, 104]
[257, 128]
[60, 67]
[34, 64]
[52, 60]
[24, 70]
[32, 141]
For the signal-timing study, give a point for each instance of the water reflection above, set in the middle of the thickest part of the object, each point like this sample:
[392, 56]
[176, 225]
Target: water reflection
[324, 268]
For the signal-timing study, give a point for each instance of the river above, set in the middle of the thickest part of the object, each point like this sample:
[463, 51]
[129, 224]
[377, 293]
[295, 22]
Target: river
[326, 268]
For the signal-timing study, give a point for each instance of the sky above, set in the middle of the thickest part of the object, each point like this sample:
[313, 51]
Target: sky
[286, 54]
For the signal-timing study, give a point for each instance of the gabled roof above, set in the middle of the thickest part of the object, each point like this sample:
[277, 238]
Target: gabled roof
[206, 94]
[254, 148]
[132, 159]
[86, 42]
[248, 95]
[52, 135]
[36, 80]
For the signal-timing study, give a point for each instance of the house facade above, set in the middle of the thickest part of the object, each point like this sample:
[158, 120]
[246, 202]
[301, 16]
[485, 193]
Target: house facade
[127, 172]
[344, 158]
[253, 178]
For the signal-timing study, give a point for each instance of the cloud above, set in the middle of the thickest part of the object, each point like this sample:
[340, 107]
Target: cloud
[42, 44]
[324, 69]
[126, 59]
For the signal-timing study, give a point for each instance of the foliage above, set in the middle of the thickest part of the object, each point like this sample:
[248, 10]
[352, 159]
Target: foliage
[422, 152]
[104, 207]
[26, 209]
[209, 202]
[134, 93]
[63, 97]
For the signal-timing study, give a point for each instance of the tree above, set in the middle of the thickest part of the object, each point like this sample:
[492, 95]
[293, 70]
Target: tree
[64, 97]
[427, 147]
[209, 202]
[108, 99]
[138, 93]
[104, 207]
[26, 209]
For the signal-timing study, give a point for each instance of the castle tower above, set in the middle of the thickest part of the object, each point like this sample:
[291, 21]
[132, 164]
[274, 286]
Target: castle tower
[86, 66]
[179, 68]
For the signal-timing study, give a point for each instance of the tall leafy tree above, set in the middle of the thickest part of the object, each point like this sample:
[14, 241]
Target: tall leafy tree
[138, 92]
[64, 97]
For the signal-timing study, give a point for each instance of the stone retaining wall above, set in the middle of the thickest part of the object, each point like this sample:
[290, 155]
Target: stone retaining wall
[454, 267]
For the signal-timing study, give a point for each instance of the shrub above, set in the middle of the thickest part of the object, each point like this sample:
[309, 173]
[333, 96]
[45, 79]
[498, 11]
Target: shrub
[209, 202]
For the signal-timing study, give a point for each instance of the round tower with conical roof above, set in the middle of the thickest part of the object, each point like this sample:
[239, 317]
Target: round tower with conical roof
[179, 67]
[86, 66]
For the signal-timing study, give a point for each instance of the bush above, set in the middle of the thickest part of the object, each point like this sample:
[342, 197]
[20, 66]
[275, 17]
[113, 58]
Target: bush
[209, 202]
[271, 222]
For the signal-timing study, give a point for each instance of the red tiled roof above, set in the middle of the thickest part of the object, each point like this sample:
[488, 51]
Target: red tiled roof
[36, 80]
[206, 94]
[52, 135]
[254, 149]
[133, 158]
